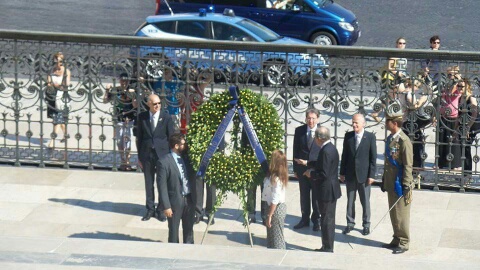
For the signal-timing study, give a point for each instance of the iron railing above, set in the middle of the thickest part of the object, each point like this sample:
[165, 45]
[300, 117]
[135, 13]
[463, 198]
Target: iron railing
[339, 81]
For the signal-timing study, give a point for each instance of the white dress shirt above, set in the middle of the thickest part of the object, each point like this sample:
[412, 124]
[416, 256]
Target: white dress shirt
[273, 193]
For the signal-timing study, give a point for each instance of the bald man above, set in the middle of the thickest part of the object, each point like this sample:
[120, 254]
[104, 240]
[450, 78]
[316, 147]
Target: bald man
[357, 170]
[154, 127]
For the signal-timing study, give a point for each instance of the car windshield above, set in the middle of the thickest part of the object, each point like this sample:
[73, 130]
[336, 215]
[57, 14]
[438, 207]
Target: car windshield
[263, 32]
[319, 3]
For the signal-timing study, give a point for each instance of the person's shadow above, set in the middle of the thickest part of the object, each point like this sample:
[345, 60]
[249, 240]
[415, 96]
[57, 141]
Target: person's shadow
[121, 208]
[110, 236]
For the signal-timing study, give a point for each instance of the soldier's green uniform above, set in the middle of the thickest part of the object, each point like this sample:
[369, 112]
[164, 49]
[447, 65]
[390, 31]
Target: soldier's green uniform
[401, 150]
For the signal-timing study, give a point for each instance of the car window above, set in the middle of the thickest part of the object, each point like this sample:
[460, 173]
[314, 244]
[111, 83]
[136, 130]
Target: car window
[223, 31]
[261, 31]
[168, 27]
[192, 28]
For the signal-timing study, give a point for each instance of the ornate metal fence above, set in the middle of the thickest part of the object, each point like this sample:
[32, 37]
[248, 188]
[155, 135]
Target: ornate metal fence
[339, 81]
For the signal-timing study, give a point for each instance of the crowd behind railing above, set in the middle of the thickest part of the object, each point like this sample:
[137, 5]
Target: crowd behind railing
[436, 97]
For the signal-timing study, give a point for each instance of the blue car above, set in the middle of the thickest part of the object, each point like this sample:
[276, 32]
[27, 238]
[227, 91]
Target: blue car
[321, 22]
[229, 65]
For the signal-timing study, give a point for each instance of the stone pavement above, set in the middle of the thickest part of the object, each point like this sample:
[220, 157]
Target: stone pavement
[79, 219]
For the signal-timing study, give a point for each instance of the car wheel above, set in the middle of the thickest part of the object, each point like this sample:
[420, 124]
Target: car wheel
[323, 38]
[275, 73]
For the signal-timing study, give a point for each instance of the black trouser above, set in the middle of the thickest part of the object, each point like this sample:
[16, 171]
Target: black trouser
[185, 212]
[211, 197]
[327, 223]
[252, 202]
[307, 188]
[149, 171]
[417, 142]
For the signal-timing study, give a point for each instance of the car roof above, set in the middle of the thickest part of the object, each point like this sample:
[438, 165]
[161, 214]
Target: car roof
[216, 17]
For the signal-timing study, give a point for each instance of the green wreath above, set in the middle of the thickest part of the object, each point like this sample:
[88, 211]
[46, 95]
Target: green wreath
[237, 169]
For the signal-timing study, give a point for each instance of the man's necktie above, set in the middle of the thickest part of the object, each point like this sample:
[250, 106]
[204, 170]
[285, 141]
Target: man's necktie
[153, 123]
[309, 139]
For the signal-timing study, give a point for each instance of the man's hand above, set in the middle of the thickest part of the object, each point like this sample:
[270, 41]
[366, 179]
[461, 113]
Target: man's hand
[301, 161]
[307, 173]
[168, 212]
[370, 181]
[342, 178]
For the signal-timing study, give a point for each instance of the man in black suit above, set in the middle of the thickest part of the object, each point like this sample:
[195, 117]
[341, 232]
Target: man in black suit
[176, 185]
[304, 150]
[325, 172]
[153, 129]
[359, 159]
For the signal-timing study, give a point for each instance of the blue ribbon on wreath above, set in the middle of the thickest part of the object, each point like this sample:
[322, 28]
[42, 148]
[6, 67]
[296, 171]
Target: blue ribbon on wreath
[218, 137]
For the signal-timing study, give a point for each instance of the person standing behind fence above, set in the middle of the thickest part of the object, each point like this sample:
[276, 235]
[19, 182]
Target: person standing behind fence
[448, 134]
[273, 194]
[56, 96]
[124, 113]
[154, 127]
[357, 168]
[305, 149]
[172, 88]
[469, 104]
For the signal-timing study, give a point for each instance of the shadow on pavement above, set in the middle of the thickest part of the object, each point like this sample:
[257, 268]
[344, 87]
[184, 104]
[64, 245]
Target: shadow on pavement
[121, 208]
[110, 236]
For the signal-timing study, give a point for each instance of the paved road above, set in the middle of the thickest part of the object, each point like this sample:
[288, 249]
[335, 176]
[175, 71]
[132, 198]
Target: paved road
[381, 21]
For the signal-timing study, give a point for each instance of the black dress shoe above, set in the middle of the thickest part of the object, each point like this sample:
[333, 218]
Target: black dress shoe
[252, 220]
[389, 245]
[316, 227]
[301, 224]
[399, 250]
[197, 219]
[323, 250]
[366, 231]
[348, 229]
[148, 215]
[213, 221]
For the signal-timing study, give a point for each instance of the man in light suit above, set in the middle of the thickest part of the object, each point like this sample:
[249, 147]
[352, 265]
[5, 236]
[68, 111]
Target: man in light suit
[358, 166]
[325, 173]
[176, 184]
[304, 150]
[153, 129]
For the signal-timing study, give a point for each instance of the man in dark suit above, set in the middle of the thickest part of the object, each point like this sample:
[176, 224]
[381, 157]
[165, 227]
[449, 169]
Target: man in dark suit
[176, 186]
[325, 172]
[153, 129]
[359, 159]
[304, 150]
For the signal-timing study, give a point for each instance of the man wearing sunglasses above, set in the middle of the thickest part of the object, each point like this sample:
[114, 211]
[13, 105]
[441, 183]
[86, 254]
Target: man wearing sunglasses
[154, 127]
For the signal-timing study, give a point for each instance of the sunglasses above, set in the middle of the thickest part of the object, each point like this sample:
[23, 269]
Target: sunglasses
[436, 42]
[460, 86]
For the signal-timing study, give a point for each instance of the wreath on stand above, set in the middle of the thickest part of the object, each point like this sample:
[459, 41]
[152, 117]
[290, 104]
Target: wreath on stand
[236, 169]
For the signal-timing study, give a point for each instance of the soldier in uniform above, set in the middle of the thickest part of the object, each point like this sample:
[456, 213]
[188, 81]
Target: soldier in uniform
[397, 181]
